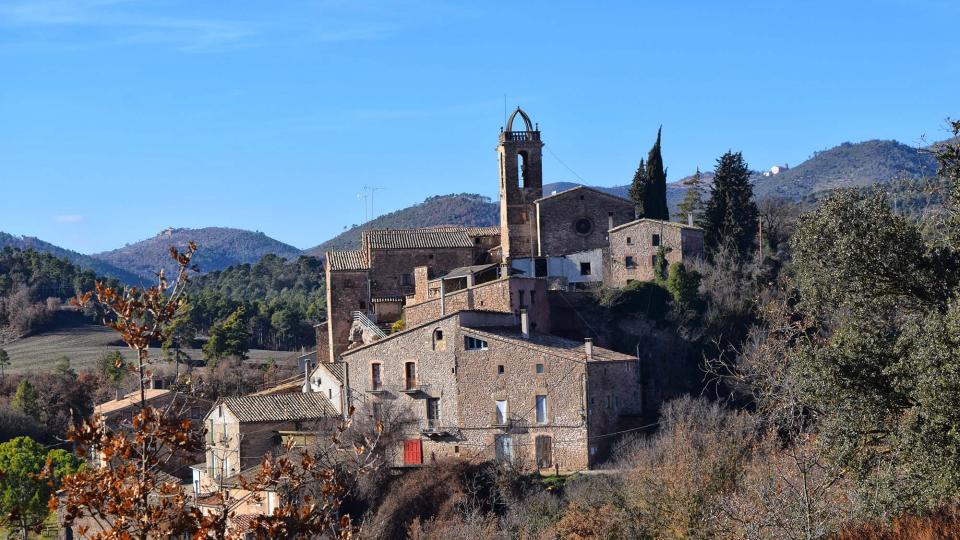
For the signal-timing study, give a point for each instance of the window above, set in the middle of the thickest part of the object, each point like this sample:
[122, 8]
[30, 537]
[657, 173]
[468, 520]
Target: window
[541, 409]
[540, 368]
[655, 241]
[653, 261]
[501, 418]
[584, 269]
[504, 448]
[329, 393]
[410, 375]
[406, 279]
[500, 369]
[438, 343]
[583, 226]
[363, 305]
[376, 376]
[433, 412]
[473, 344]
[629, 241]
[628, 262]
[540, 267]
[523, 303]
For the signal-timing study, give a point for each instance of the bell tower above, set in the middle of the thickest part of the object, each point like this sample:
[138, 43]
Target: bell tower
[521, 183]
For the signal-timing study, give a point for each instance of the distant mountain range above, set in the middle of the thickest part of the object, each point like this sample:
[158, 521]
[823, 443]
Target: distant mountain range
[846, 165]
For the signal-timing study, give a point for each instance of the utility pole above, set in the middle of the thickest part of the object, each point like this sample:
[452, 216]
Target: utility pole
[373, 191]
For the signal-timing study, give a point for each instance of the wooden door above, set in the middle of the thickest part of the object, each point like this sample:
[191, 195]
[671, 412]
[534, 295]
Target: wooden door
[412, 453]
[544, 451]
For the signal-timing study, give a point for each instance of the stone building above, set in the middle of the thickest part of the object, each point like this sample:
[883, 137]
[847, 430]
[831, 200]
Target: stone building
[482, 287]
[374, 280]
[482, 385]
[578, 219]
[241, 430]
[634, 245]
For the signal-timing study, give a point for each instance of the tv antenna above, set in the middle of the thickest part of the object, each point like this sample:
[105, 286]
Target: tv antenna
[368, 195]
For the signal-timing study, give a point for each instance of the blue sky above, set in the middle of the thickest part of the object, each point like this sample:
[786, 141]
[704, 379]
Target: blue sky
[121, 118]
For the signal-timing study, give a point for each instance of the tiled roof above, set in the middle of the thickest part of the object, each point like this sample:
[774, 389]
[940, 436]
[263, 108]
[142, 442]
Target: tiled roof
[348, 260]
[552, 344]
[471, 231]
[280, 407]
[656, 221]
[575, 189]
[464, 270]
[129, 400]
[335, 369]
[416, 239]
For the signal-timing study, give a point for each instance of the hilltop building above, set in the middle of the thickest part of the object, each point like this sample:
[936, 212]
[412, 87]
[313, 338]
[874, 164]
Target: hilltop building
[455, 323]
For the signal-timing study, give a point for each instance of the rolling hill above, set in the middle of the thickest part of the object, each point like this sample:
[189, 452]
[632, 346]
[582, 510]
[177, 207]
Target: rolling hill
[460, 209]
[220, 247]
[101, 268]
[848, 165]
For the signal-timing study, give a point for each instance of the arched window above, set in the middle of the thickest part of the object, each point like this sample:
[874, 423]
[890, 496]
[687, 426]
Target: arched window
[522, 169]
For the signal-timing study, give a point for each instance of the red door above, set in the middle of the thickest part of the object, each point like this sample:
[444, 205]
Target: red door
[412, 454]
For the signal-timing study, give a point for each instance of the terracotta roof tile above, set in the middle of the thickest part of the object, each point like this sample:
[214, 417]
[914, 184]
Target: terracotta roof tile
[348, 260]
[416, 239]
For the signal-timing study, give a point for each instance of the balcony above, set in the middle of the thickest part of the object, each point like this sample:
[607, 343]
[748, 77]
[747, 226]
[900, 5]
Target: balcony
[414, 388]
[520, 136]
[431, 427]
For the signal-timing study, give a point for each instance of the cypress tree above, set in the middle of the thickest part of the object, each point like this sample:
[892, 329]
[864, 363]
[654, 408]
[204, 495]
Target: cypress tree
[638, 188]
[655, 202]
[692, 202]
[731, 214]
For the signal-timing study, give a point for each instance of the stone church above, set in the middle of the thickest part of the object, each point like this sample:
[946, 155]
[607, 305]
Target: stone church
[561, 238]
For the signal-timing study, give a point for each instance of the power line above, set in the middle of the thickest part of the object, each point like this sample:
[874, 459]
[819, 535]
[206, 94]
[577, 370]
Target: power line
[556, 157]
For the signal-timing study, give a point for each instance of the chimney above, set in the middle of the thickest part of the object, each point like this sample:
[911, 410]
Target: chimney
[525, 324]
[588, 347]
[306, 376]
[609, 220]
[690, 219]
[119, 394]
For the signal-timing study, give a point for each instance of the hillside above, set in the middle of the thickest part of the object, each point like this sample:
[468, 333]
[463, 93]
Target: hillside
[220, 247]
[101, 268]
[459, 209]
[848, 165]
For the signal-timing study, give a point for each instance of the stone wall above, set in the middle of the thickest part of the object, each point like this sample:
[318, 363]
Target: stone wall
[613, 390]
[558, 216]
[506, 295]
[632, 249]
[391, 270]
[347, 291]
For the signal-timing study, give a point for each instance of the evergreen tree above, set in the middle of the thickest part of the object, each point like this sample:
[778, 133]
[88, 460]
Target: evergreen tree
[638, 188]
[655, 196]
[4, 362]
[692, 202]
[31, 475]
[731, 214]
[229, 338]
[27, 399]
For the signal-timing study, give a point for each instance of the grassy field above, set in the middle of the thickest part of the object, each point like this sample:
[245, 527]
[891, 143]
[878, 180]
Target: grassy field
[83, 345]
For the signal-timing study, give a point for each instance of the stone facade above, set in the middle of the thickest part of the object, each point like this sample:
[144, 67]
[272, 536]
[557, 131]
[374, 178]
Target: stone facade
[505, 295]
[521, 183]
[468, 362]
[633, 247]
[578, 220]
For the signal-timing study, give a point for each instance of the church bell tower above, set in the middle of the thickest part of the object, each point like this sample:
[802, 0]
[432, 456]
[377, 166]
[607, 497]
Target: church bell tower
[521, 183]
